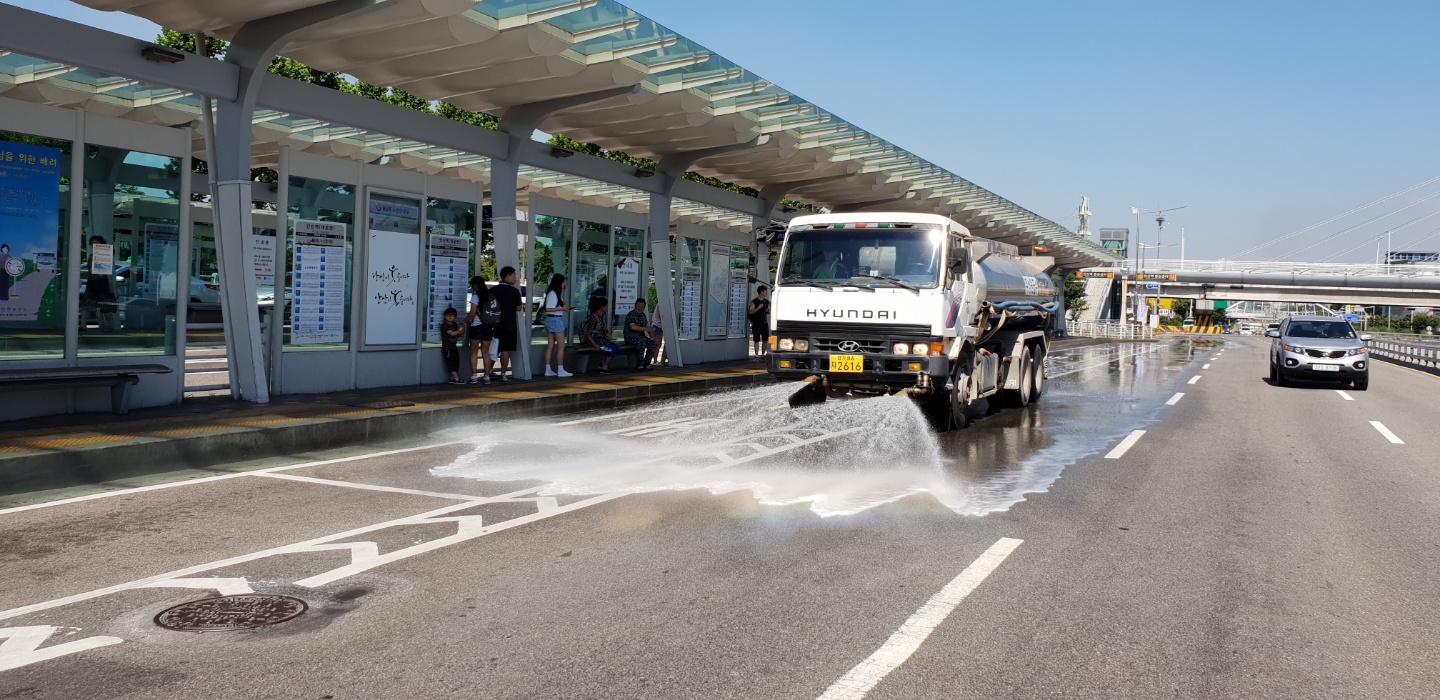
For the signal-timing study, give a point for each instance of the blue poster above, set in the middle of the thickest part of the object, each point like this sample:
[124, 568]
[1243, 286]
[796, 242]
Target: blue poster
[29, 232]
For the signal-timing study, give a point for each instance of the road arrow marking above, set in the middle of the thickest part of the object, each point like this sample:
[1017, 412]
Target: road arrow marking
[22, 645]
[223, 586]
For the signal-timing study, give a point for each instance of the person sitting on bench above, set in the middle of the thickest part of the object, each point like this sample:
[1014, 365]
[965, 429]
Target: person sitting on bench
[595, 332]
[638, 334]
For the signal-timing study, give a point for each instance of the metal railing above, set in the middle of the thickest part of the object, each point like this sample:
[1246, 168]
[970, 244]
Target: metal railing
[1111, 330]
[1298, 268]
[1421, 356]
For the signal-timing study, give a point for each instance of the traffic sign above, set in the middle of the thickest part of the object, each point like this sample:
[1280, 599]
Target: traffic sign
[1353, 318]
[1152, 285]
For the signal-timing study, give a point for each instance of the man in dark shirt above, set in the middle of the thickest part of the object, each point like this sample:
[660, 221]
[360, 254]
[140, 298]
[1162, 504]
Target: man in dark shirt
[507, 332]
[760, 320]
[639, 335]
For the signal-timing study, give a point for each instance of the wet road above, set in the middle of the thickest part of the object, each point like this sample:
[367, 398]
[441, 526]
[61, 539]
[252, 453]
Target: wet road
[1253, 541]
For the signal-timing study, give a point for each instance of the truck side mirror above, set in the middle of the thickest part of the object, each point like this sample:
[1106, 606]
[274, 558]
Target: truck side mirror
[958, 259]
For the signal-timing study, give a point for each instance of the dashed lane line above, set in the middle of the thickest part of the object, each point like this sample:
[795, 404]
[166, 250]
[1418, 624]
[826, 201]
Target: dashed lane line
[1344, 395]
[1175, 399]
[1125, 445]
[861, 679]
[1392, 437]
[1193, 379]
[1205, 366]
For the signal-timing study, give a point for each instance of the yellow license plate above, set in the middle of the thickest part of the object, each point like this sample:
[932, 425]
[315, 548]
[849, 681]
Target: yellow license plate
[847, 363]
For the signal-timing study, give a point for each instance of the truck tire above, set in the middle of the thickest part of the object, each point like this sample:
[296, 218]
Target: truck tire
[958, 418]
[1019, 398]
[1037, 369]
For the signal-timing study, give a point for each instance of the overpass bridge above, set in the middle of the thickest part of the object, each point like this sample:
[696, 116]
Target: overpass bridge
[1233, 280]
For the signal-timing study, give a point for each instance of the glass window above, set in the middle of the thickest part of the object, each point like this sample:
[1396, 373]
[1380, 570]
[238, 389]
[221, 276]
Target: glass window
[34, 221]
[132, 249]
[552, 254]
[690, 291]
[320, 251]
[863, 257]
[1337, 330]
[592, 272]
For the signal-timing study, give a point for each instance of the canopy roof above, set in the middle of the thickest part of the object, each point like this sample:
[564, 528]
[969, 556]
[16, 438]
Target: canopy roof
[496, 55]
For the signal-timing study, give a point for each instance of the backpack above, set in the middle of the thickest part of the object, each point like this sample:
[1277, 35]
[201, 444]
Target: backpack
[490, 313]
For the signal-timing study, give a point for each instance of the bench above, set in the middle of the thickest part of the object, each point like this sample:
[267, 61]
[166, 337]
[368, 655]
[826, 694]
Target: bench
[118, 379]
[580, 356]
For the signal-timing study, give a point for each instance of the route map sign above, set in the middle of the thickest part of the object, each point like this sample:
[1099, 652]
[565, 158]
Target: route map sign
[318, 311]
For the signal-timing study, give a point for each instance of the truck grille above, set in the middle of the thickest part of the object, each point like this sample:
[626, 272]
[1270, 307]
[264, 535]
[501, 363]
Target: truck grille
[1325, 353]
[873, 347]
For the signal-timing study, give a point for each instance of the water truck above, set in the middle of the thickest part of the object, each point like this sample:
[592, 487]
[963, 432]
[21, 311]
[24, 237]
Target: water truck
[879, 304]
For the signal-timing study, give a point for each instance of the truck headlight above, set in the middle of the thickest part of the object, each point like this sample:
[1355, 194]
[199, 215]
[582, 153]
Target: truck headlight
[787, 344]
[920, 349]
[901, 349]
[801, 345]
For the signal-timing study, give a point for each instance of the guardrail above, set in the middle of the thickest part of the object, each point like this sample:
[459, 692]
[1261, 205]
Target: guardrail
[1298, 268]
[1407, 337]
[1111, 330]
[1422, 356]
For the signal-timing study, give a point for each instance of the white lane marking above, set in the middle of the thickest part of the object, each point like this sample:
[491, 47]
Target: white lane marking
[372, 487]
[1125, 445]
[1205, 366]
[221, 477]
[1174, 399]
[223, 586]
[1392, 437]
[861, 679]
[1344, 395]
[1193, 379]
[21, 646]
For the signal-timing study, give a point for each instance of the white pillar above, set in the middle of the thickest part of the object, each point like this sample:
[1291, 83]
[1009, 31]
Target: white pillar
[660, 252]
[504, 194]
[233, 220]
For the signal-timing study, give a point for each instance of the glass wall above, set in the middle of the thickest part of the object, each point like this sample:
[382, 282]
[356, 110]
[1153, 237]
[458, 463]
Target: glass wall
[320, 253]
[34, 220]
[592, 272]
[553, 236]
[132, 248]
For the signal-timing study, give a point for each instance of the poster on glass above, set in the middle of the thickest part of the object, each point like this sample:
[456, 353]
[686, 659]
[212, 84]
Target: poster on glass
[449, 280]
[717, 292]
[392, 277]
[30, 288]
[318, 309]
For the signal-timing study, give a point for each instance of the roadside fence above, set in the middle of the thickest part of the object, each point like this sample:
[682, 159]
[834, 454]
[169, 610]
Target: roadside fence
[1112, 330]
[1422, 356]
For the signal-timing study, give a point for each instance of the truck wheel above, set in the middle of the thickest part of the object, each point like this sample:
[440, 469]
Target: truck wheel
[1020, 398]
[1037, 368]
[958, 419]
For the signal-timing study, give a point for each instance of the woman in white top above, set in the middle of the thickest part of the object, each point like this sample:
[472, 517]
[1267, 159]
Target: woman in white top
[555, 309]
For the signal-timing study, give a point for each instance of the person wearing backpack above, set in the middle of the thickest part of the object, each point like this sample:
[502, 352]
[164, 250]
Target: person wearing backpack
[554, 311]
[479, 333]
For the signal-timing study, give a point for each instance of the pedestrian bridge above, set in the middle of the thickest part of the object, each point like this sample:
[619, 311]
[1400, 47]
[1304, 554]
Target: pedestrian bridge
[1334, 283]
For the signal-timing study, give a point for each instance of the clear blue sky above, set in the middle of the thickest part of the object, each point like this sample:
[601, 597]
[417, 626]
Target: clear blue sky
[1263, 116]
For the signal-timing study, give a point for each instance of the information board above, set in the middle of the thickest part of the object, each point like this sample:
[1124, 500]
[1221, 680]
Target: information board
[262, 258]
[690, 292]
[717, 292]
[449, 281]
[29, 232]
[318, 309]
[162, 251]
[627, 285]
[739, 291]
[392, 286]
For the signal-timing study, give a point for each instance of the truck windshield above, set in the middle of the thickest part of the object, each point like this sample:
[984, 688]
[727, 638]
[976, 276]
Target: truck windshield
[863, 257]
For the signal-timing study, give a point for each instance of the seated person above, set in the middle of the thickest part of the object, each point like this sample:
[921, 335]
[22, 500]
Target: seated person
[595, 332]
[831, 268]
[639, 334]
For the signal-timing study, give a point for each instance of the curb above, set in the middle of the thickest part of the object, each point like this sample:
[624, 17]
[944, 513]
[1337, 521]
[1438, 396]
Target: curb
[144, 456]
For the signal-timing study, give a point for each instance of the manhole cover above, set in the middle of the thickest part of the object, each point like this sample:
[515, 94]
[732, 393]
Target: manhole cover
[385, 404]
[231, 612]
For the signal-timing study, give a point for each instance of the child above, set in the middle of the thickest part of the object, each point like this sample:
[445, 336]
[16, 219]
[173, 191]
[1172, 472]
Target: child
[450, 331]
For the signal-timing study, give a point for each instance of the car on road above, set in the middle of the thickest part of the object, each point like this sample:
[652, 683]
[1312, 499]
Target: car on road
[1319, 348]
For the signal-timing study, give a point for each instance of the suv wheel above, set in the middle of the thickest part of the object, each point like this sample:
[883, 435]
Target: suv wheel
[1362, 384]
[1274, 374]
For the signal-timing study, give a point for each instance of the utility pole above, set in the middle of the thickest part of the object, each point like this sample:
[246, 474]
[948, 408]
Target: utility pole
[1182, 248]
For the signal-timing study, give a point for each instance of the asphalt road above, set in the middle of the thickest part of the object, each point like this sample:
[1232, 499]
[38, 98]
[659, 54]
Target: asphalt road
[1254, 541]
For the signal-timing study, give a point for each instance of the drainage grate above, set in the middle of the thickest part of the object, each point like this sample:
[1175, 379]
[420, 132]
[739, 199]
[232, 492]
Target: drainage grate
[384, 404]
[231, 612]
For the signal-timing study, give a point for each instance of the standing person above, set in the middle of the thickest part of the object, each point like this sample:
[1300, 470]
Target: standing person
[507, 331]
[760, 320]
[450, 332]
[601, 289]
[4, 273]
[479, 333]
[595, 332]
[639, 334]
[555, 309]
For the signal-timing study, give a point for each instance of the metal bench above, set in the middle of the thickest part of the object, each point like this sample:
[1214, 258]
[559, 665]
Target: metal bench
[118, 378]
[581, 354]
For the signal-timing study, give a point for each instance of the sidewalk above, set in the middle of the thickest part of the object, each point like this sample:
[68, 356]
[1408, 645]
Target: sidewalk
[60, 451]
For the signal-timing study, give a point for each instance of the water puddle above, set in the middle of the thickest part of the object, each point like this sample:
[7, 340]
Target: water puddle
[841, 457]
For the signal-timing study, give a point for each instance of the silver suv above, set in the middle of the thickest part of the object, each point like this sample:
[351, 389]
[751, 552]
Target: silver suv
[1320, 348]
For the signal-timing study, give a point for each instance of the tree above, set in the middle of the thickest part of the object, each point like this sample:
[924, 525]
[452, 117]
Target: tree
[1180, 307]
[1075, 301]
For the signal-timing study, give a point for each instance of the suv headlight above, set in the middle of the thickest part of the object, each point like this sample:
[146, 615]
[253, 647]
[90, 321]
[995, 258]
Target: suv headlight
[1356, 351]
[787, 344]
[1294, 348]
[801, 345]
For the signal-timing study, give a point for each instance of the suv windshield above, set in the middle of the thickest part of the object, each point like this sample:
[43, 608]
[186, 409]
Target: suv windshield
[1335, 330]
[863, 257]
